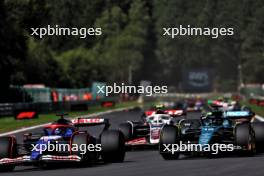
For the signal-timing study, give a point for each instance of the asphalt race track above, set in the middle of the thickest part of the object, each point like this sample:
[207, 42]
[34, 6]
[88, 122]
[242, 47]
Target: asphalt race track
[149, 162]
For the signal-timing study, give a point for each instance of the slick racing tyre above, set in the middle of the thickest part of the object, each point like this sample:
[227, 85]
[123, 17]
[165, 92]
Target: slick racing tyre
[84, 139]
[8, 149]
[113, 146]
[126, 129]
[245, 138]
[258, 128]
[168, 136]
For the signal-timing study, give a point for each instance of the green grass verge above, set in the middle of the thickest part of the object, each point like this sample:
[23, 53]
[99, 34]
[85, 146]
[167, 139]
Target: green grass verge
[9, 123]
[257, 109]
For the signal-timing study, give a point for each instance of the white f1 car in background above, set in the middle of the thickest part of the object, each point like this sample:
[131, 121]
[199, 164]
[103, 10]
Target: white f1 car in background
[145, 133]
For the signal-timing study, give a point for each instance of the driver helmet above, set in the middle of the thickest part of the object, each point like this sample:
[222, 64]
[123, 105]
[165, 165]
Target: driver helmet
[57, 131]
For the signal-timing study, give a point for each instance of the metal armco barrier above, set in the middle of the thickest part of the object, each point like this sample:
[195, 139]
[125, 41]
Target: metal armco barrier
[6, 109]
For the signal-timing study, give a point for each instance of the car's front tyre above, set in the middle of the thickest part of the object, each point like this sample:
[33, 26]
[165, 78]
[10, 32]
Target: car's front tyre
[245, 138]
[113, 146]
[169, 136]
[8, 149]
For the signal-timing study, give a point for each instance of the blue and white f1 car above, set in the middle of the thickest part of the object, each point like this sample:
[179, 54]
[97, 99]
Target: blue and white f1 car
[63, 141]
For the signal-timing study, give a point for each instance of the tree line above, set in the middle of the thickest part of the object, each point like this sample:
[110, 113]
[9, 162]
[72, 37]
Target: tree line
[132, 42]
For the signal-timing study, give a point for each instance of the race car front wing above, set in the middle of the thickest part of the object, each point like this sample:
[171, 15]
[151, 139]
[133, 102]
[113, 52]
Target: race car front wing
[43, 158]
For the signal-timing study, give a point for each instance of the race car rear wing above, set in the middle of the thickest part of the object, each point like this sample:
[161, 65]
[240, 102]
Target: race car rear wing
[174, 112]
[238, 114]
[82, 122]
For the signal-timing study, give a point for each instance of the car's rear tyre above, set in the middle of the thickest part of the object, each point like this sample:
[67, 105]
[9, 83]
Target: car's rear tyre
[84, 139]
[126, 129]
[258, 128]
[168, 136]
[245, 138]
[8, 149]
[113, 146]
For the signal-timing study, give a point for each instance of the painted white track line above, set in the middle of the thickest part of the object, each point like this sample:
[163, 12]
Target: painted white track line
[259, 118]
[42, 125]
